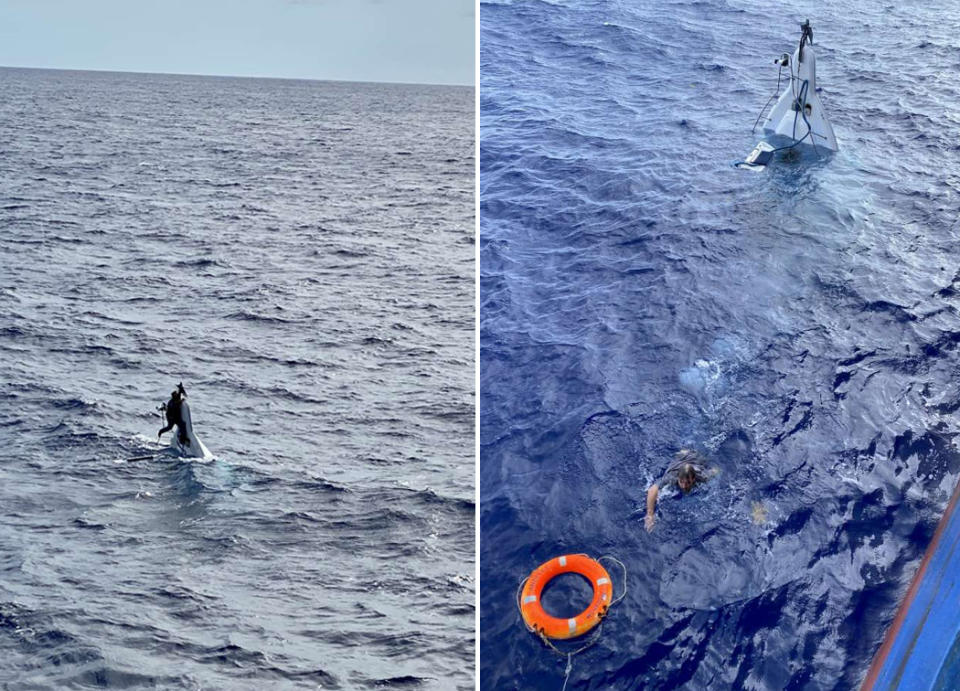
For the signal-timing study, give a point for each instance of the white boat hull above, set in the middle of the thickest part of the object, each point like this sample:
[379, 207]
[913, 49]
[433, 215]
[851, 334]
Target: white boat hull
[798, 115]
[193, 448]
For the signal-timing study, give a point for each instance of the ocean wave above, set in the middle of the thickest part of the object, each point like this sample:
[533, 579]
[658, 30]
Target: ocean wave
[254, 317]
[221, 280]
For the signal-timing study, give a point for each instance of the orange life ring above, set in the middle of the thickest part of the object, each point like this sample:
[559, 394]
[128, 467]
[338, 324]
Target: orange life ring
[537, 618]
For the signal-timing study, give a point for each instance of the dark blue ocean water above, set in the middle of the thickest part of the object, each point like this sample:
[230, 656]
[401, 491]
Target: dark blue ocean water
[639, 295]
[299, 254]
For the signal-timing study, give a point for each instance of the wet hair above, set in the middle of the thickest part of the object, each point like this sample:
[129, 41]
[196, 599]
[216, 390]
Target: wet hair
[687, 472]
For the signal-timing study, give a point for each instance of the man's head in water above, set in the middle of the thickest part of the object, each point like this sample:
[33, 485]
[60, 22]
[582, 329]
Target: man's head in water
[688, 469]
[687, 477]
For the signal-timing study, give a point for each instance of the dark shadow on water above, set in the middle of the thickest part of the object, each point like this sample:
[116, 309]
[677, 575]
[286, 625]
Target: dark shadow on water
[799, 170]
[566, 596]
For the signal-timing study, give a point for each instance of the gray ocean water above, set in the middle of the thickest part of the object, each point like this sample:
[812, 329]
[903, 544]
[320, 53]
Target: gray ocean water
[300, 255]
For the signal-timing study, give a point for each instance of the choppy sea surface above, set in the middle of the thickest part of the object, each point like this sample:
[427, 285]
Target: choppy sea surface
[300, 255]
[640, 295]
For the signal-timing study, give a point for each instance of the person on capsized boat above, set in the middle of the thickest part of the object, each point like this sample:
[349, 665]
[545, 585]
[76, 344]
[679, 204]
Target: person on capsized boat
[688, 469]
[174, 412]
[186, 444]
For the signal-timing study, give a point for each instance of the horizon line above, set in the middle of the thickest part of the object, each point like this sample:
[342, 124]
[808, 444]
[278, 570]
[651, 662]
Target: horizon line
[239, 76]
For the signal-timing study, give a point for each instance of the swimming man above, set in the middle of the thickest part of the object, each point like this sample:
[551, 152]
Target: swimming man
[688, 469]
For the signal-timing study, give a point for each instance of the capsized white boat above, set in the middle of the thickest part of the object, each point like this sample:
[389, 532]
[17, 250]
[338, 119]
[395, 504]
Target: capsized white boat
[798, 118]
[193, 448]
[798, 115]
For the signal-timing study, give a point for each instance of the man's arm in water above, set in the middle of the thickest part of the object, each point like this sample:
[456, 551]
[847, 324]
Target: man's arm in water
[652, 495]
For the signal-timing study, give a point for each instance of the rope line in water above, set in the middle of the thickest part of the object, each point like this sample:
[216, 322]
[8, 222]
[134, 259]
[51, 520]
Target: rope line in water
[569, 655]
[775, 94]
[566, 674]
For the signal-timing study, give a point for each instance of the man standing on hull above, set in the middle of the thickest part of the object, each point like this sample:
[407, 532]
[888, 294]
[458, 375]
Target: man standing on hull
[174, 412]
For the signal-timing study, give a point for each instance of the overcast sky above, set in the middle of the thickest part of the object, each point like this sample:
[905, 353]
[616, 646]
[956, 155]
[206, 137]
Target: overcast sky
[419, 41]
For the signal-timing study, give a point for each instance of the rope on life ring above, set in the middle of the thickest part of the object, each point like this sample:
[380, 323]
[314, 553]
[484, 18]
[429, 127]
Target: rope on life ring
[547, 627]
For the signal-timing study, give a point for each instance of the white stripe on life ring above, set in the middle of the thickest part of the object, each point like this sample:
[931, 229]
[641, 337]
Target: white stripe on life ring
[529, 598]
[563, 561]
[602, 581]
[572, 623]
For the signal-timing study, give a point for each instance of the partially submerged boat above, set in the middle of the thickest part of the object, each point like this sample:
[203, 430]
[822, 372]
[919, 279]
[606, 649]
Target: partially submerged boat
[798, 118]
[192, 447]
